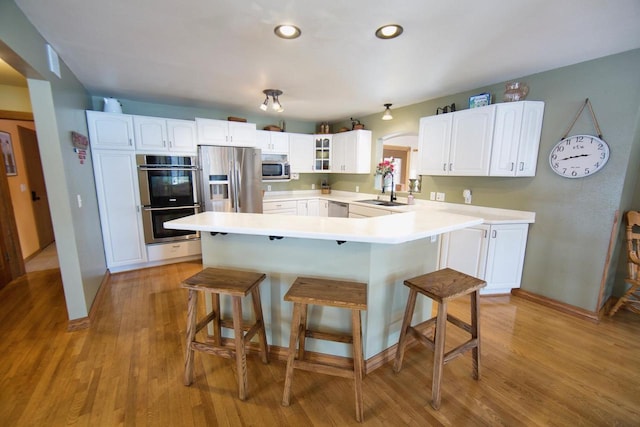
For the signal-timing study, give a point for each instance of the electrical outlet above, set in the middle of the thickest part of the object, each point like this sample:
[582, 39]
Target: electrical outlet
[432, 195]
[268, 188]
[79, 200]
[440, 197]
[466, 193]
[313, 186]
[357, 188]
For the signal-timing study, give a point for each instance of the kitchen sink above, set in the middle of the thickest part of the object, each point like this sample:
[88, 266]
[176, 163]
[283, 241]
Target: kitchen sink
[381, 202]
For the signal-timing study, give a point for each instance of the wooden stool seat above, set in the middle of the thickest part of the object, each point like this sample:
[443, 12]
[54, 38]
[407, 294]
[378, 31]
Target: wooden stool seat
[442, 286]
[237, 284]
[333, 293]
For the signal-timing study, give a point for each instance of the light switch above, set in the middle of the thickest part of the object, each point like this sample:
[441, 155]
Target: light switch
[440, 197]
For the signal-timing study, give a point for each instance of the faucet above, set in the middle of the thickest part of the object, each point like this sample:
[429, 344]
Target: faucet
[392, 196]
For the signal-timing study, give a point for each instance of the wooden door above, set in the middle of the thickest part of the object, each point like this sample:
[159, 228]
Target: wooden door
[11, 262]
[39, 199]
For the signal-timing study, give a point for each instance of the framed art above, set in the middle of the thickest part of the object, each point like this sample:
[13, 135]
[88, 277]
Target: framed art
[479, 100]
[7, 154]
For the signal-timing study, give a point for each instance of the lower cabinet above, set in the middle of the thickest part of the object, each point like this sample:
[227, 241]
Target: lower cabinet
[494, 253]
[119, 205]
[289, 207]
[162, 251]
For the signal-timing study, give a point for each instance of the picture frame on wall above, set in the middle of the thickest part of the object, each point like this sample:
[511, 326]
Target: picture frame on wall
[7, 154]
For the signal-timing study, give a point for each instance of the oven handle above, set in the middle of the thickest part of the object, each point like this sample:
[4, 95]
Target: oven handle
[175, 168]
[148, 208]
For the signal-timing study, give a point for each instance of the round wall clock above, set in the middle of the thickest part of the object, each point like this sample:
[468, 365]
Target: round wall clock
[578, 156]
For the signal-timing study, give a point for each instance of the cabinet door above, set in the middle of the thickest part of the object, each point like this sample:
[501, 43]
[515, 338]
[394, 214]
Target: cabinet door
[465, 250]
[181, 136]
[530, 138]
[313, 207]
[212, 132]
[324, 208]
[351, 152]
[110, 130]
[471, 138]
[301, 152]
[150, 134]
[505, 257]
[323, 152]
[339, 150]
[433, 144]
[280, 143]
[302, 208]
[242, 134]
[506, 139]
[119, 206]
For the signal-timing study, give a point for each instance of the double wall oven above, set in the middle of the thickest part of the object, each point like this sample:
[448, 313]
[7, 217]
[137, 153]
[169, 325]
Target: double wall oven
[167, 191]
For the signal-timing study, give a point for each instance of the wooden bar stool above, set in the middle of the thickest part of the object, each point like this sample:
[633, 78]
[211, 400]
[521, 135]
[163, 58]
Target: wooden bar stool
[237, 284]
[334, 293]
[442, 286]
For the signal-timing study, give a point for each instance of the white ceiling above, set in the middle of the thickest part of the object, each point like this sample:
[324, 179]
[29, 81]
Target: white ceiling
[224, 53]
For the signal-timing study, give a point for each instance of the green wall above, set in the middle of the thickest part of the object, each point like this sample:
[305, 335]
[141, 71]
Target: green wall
[568, 243]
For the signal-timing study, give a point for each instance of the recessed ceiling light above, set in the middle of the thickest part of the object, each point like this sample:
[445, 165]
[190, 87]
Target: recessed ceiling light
[389, 31]
[287, 31]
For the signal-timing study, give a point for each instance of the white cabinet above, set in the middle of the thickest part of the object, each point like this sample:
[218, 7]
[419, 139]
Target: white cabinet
[229, 133]
[493, 253]
[118, 203]
[272, 142]
[289, 207]
[322, 158]
[351, 152]
[158, 135]
[302, 208]
[110, 130]
[313, 207]
[301, 153]
[162, 251]
[457, 143]
[323, 209]
[516, 138]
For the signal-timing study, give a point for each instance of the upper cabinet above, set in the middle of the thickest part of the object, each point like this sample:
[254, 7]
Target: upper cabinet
[322, 159]
[351, 152]
[301, 152]
[157, 135]
[457, 143]
[496, 140]
[272, 142]
[516, 138]
[112, 131]
[229, 133]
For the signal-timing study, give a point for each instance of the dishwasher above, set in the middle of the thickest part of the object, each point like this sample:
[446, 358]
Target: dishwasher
[338, 209]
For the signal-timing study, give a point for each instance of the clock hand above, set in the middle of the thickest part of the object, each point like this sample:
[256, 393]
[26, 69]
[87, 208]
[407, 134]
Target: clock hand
[575, 157]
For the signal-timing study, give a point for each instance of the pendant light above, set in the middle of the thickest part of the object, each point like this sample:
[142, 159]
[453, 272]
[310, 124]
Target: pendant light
[387, 112]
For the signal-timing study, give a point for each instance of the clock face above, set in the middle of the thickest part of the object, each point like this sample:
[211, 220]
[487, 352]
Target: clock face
[578, 156]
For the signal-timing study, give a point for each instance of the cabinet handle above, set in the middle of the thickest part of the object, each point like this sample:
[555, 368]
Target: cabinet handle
[512, 164]
[130, 141]
[521, 166]
[494, 233]
[485, 234]
[444, 167]
[450, 167]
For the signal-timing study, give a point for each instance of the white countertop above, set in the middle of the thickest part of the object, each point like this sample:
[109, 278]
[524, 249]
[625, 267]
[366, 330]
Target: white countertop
[411, 222]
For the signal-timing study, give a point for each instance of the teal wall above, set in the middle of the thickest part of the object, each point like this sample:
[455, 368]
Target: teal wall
[567, 245]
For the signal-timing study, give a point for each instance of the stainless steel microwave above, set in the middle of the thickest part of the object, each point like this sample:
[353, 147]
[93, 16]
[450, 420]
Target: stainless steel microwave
[272, 170]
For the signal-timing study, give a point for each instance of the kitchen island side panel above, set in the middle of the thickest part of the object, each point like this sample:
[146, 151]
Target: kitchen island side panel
[383, 267]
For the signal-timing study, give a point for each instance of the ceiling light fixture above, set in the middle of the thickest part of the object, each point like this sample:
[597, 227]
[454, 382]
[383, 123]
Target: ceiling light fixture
[274, 94]
[390, 31]
[387, 112]
[287, 31]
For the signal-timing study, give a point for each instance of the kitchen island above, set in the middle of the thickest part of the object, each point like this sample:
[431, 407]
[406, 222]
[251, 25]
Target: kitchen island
[380, 251]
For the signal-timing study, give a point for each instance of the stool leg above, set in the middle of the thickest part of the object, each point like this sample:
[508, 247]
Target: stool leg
[295, 332]
[406, 324]
[303, 331]
[217, 327]
[438, 357]
[241, 359]
[262, 334]
[358, 365]
[475, 332]
[192, 306]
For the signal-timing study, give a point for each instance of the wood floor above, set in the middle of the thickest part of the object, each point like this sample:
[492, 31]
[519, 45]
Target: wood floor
[539, 368]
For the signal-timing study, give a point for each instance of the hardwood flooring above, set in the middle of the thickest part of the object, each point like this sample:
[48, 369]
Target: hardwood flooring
[539, 367]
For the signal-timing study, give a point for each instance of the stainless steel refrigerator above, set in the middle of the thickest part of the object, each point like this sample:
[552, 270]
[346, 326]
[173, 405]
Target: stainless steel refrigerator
[231, 178]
